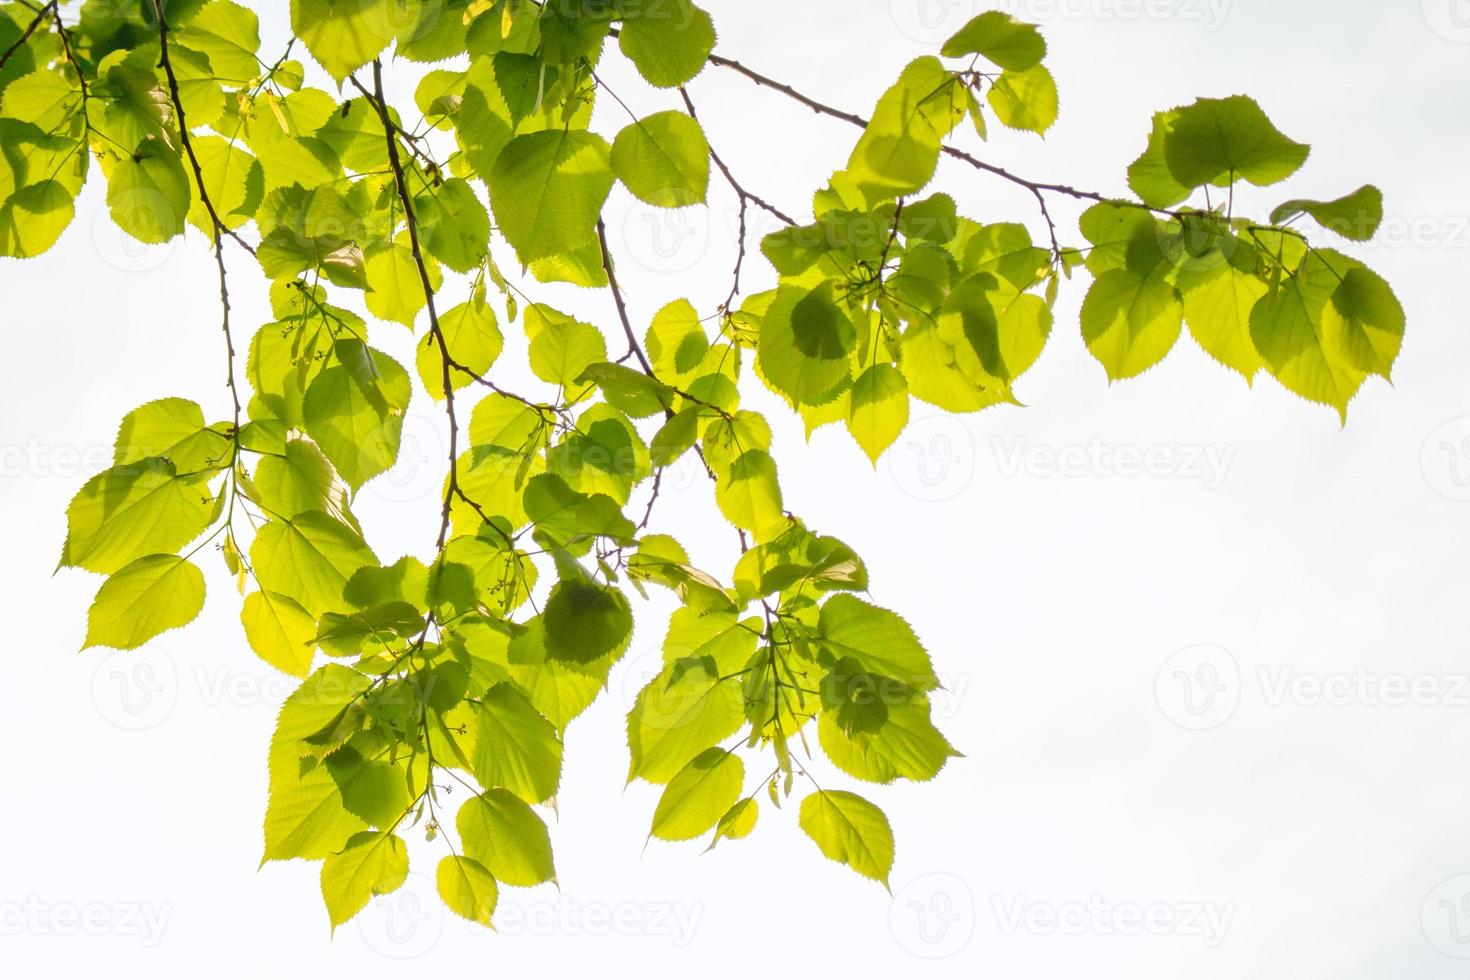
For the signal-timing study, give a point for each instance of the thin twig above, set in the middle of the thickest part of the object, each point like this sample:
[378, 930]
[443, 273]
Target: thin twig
[1037, 188]
[745, 194]
[25, 36]
[219, 228]
[745, 198]
[612, 281]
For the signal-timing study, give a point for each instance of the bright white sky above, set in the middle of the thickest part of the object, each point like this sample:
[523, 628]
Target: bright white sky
[1109, 819]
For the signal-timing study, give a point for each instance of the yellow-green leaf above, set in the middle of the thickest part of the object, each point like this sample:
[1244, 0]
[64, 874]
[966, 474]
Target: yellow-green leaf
[698, 795]
[467, 888]
[154, 594]
[878, 409]
[850, 830]
[371, 864]
[503, 833]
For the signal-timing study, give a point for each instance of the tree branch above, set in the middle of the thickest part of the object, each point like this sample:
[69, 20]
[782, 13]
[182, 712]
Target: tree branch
[1038, 188]
[400, 182]
[25, 36]
[612, 281]
[218, 225]
[746, 198]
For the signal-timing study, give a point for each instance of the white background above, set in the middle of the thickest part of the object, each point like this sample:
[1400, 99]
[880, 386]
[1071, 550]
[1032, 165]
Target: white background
[1109, 818]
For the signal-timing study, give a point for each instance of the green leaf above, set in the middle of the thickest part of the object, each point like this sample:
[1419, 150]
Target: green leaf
[371, 864]
[737, 822]
[1355, 217]
[1001, 39]
[1025, 100]
[676, 341]
[171, 429]
[305, 814]
[563, 350]
[805, 341]
[467, 888]
[152, 595]
[686, 709]
[558, 690]
[933, 219]
[1130, 322]
[676, 437]
[436, 30]
[453, 224]
[354, 411]
[878, 409]
[547, 190]
[33, 218]
[698, 795]
[628, 390]
[309, 558]
[668, 42]
[229, 35]
[749, 495]
[1363, 322]
[301, 479]
[344, 35]
[585, 621]
[503, 833]
[1286, 327]
[279, 631]
[499, 420]
[663, 159]
[43, 97]
[376, 789]
[904, 745]
[899, 150]
[1150, 176]
[1218, 141]
[473, 337]
[851, 831]
[721, 636]
[877, 639]
[1218, 300]
[132, 510]
[515, 747]
[397, 290]
[148, 193]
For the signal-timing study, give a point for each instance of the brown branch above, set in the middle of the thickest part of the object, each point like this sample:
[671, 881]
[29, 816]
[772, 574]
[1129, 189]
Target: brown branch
[71, 59]
[1038, 188]
[26, 36]
[746, 198]
[219, 227]
[612, 280]
[658, 479]
[400, 182]
[745, 194]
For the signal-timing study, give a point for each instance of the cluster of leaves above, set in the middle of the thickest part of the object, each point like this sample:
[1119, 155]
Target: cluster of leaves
[465, 669]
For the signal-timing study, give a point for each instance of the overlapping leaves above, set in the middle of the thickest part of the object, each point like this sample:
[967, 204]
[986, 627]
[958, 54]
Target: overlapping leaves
[468, 669]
